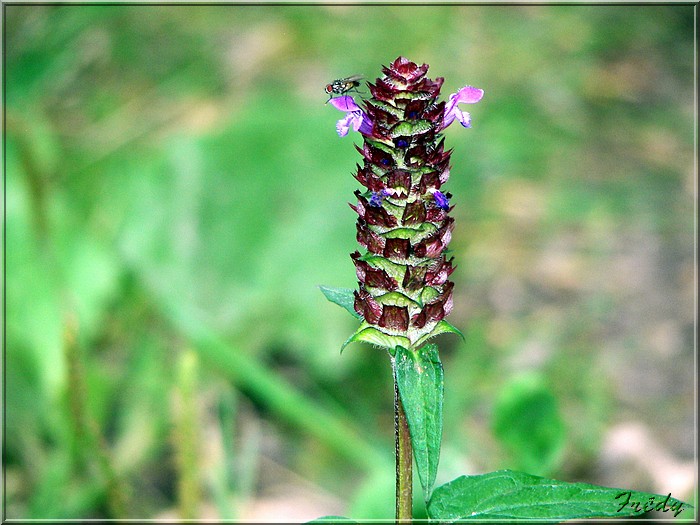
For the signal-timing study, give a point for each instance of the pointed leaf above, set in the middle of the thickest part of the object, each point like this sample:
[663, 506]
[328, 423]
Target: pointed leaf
[507, 495]
[440, 328]
[342, 297]
[448, 327]
[419, 377]
[369, 334]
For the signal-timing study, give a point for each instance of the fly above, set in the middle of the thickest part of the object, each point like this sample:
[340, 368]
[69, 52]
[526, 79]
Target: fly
[343, 85]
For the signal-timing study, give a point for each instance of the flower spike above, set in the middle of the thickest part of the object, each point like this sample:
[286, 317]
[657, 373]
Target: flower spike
[403, 222]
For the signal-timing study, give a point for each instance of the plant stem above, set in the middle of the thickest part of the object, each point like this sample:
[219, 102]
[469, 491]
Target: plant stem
[404, 461]
[185, 436]
[89, 441]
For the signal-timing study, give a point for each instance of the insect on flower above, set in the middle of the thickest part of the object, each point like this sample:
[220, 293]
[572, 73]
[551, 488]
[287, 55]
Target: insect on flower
[342, 85]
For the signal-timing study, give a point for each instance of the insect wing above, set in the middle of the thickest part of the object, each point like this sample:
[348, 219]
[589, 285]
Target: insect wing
[354, 79]
[351, 82]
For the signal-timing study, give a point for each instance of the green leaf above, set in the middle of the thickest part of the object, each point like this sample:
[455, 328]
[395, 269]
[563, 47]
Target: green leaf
[508, 494]
[342, 297]
[369, 334]
[440, 328]
[422, 230]
[331, 519]
[407, 129]
[402, 233]
[389, 108]
[527, 421]
[448, 327]
[428, 294]
[396, 299]
[381, 146]
[419, 378]
[395, 270]
[421, 95]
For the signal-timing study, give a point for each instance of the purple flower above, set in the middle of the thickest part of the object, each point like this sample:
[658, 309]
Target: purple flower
[376, 199]
[466, 95]
[403, 223]
[441, 200]
[355, 117]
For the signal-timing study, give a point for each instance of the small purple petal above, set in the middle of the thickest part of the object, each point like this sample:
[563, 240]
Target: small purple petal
[441, 200]
[466, 95]
[469, 95]
[355, 117]
[345, 103]
[343, 125]
[377, 197]
[362, 123]
[465, 119]
[375, 200]
[359, 121]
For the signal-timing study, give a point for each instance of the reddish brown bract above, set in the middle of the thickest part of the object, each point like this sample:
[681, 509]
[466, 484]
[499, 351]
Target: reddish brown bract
[403, 276]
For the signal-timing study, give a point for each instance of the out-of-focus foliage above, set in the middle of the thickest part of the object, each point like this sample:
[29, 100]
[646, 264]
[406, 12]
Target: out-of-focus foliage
[528, 422]
[176, 192]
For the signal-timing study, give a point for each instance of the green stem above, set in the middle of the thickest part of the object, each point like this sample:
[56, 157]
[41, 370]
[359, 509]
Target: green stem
[186, 438]
[76, 396]
[404, 461]
[89, 441]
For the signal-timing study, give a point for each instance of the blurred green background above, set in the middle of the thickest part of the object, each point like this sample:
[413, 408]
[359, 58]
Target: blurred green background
[176, 192]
